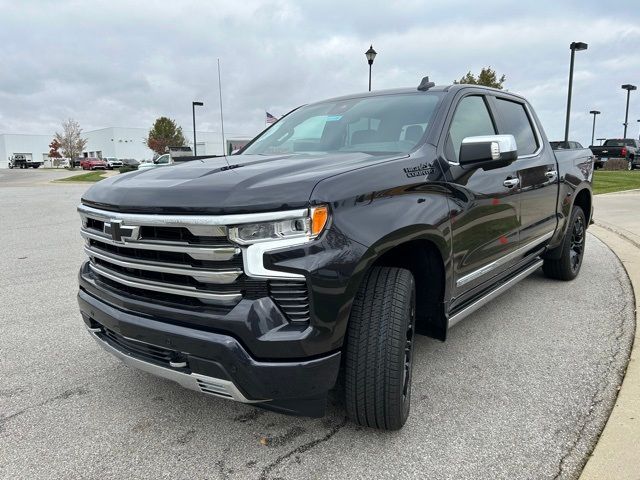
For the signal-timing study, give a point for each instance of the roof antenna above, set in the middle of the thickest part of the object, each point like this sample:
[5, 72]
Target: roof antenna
[224, 146]
[425, 84]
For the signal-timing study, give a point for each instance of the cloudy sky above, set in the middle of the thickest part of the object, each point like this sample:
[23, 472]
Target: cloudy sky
[124, 63]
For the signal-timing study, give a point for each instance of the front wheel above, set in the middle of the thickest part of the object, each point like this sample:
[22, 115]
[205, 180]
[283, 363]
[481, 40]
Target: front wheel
[567, 266]
[379, 352]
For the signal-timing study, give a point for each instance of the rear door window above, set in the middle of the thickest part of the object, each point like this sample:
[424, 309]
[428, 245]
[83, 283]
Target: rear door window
[516, 121]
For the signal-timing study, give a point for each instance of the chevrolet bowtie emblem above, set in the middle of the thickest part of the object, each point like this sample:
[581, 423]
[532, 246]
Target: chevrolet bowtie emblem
[119, 233]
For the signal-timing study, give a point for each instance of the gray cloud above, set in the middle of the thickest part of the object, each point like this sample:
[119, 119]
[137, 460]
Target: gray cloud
[123, 63]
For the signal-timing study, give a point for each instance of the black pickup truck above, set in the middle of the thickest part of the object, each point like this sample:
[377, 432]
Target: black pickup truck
[625, 148]
[328, 243]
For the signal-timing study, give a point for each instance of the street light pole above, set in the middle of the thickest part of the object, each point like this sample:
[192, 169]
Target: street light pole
[628, 88]
[193, 111]
[371, 55]
[574, 46]
[593, 129]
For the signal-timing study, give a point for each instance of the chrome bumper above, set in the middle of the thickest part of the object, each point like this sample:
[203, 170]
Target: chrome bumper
[192, 381]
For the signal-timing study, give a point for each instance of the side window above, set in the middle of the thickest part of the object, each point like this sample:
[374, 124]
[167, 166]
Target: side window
[470, 120]
[517, 123]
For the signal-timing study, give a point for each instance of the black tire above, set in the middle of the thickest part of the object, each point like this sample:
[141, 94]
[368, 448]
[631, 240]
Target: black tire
[567, 266]
[379, 352]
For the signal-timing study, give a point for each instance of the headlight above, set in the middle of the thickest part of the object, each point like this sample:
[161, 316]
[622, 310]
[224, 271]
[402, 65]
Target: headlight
[307, 227]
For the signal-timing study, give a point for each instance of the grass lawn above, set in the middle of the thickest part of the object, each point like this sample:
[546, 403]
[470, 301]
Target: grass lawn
[94, 176]
[606, 182]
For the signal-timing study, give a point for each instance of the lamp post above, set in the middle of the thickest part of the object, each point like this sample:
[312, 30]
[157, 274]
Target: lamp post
[601, 140]
[593, 129]
[371, 55]
[628, 88]
[193, 111]
[574, 46]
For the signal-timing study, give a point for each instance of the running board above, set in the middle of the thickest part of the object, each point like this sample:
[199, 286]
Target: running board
[503, 287]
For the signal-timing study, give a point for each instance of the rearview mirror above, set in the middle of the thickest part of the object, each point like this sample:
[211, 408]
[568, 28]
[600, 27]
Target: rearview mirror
[492, 151]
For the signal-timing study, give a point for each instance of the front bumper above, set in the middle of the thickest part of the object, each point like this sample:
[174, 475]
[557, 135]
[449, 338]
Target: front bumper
[208, 362]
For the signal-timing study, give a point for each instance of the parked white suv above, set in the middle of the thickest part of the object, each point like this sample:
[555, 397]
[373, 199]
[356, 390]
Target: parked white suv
[113, 162]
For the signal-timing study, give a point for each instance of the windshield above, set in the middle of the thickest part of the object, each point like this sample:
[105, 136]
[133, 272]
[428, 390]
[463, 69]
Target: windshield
[377, 125]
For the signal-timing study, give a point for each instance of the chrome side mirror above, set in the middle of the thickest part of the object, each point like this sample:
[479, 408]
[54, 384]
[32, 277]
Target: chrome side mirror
[488, 150]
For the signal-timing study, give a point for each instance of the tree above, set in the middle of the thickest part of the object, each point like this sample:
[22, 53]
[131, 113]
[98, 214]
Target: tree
[165, 133]
[54, 146]
[70, 140]
[487, 77]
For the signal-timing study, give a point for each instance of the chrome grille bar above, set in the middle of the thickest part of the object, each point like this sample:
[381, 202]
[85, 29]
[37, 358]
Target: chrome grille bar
[188, 220]
[198, 253]
[205, 276]
[226, 299]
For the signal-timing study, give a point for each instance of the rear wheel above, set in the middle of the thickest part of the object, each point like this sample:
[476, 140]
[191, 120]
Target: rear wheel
[379, 352]
[567, 266]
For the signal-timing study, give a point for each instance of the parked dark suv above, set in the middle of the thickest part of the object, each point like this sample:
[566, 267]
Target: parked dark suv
[331, 240]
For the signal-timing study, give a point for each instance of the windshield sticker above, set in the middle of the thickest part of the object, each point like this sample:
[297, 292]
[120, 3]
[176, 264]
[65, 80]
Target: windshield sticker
[333, 118]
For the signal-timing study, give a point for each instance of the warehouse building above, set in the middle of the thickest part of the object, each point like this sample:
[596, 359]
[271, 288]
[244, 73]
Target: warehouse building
[116, 142]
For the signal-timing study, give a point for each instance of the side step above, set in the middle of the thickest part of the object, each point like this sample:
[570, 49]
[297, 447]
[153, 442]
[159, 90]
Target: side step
[503, 287]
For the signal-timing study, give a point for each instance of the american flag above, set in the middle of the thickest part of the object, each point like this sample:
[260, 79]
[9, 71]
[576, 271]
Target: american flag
[271, 119]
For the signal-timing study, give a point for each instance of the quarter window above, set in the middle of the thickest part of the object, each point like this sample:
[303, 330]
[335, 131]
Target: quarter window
[517, 123]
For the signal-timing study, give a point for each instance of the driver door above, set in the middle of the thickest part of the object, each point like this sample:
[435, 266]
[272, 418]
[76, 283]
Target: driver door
[484, 205]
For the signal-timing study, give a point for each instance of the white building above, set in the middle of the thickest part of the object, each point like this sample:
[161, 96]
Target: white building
[108, 142]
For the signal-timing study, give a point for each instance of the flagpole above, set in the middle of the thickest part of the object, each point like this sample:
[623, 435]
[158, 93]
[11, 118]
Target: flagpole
[224, 147]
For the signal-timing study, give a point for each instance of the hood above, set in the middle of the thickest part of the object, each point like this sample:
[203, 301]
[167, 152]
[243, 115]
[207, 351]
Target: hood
[250, 183]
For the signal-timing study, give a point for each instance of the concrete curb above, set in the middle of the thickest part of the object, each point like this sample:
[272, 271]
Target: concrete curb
[619, 192]
[617, 452]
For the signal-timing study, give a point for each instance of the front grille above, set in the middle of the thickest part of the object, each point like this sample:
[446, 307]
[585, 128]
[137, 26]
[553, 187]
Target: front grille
[185, 261]
[175, 262]
[292, 297]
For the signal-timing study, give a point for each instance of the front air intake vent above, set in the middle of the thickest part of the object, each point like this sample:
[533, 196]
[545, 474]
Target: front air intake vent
[292, 297]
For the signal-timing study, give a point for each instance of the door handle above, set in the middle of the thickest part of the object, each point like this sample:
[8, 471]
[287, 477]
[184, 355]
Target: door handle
[551, 174]
[511, 182]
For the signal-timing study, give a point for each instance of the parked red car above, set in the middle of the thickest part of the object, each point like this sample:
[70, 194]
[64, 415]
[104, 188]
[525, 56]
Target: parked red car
[93, 164]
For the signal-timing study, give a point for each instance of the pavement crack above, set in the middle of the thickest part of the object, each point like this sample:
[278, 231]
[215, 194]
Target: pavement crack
[61, 396]
[305, 447]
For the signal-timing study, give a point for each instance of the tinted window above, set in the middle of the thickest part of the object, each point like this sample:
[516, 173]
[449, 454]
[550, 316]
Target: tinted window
[470, 120]
[516, 122]
[619, 143]
[376, 125]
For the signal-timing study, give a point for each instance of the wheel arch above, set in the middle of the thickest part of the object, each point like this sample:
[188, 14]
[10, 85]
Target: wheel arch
[426, 257]
[583, 199]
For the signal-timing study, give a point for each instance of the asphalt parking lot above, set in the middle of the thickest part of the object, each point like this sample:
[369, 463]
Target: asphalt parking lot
[520, 390]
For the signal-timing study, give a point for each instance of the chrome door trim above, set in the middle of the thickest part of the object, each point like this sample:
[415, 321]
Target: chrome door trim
[502, 260]
[493, 294]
